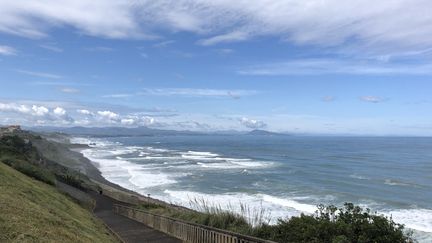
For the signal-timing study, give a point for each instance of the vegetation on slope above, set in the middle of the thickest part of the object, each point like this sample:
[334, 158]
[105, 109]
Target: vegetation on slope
[17, 151]
[32, 211]
[329, 224]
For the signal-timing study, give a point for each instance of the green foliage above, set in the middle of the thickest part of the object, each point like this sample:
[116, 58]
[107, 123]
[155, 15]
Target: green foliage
[330, 224]
[20, 154]
[349, 224]
[72, 180]
[31, 170]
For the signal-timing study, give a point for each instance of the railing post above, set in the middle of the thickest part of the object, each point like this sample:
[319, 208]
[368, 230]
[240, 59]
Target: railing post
[187, 232]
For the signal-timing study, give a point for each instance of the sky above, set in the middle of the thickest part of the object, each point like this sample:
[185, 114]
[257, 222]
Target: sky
[357, 67]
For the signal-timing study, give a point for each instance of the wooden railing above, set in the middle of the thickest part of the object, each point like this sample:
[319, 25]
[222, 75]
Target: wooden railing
[185, 231]
[134, 199]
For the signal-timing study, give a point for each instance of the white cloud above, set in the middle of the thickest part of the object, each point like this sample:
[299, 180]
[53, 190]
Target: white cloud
[40, 74]
[164, 43]
[118, 96]
[230, 37]
[59, 111]
[136, 120]
[40, 110]
[128, 121]
[372, 99]
[146, 120]
[7, 50]
[12, 107]
[336, 66]
[85, 112]
[190, 92]
[187, 92]
[109, 115]
[115, 19]
[70, 90]
[252, 123]
[36, 112]
[383, 26]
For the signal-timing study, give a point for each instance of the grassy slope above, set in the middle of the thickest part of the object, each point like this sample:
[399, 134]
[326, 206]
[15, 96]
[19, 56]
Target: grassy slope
[31, 211]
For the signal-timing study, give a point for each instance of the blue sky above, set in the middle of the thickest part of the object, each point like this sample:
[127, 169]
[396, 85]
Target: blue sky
[310, 67]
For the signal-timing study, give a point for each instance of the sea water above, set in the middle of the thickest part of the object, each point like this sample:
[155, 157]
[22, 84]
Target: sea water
[285, 175]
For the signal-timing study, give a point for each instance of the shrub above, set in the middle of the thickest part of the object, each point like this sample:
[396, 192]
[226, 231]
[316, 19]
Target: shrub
[330, 224]
[31, 170]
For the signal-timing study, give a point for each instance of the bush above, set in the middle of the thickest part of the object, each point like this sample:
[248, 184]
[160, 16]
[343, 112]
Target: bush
[72, 180]
[31, 170]
[330, 224]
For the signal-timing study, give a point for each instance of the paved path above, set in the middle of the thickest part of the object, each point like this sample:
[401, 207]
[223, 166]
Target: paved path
[129, 230]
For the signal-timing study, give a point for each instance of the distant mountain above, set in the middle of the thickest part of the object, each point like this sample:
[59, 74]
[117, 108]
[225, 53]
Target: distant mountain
[264, 133]
[113, 131]
[140, 131]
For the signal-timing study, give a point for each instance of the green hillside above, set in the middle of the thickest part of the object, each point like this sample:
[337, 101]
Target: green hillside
[32, 211]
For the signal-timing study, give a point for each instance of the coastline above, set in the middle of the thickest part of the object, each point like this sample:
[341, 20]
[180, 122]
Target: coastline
[122, 188]
[114, 190]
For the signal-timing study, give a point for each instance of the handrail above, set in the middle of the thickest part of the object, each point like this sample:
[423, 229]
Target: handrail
[186, 231]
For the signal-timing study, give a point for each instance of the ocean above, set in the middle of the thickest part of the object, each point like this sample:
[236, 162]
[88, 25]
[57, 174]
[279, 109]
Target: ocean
[285, 175]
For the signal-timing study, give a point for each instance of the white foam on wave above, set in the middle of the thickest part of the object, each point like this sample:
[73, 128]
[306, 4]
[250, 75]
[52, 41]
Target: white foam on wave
[125, 173]
[276, 207]
[418, 219]
[233, 165]
[391, 182]
[302, 207]
[123, 150]
[145, 179]
[142, 154]
[208, 154]
[156, 149]
[359, 177]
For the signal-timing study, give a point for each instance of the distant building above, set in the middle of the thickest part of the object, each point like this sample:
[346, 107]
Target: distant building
[10, 129]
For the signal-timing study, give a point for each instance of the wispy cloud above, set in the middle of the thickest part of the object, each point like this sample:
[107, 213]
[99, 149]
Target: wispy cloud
[372, 99]
[225, 51]
[198, 92]
[7, 50]
[336, 66]
[69, 90]
[252, 123]
[118, 95]
[164, 43]
[387, 26]
[51, 47]
[187, 92]
[39, 74]
[224, 38]
[328, 98]
[99, 49]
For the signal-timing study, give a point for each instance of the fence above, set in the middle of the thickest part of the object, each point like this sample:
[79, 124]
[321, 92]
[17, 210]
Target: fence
[185, 231]
[133, 199]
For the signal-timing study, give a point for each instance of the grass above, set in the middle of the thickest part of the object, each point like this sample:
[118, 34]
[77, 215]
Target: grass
[32, 211]
[246, 222]
[329, 224]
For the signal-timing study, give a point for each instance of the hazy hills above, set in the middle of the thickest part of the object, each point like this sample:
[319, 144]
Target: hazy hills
[142, 131]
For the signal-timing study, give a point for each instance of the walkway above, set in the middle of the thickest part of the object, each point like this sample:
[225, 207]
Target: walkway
[129, 230]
